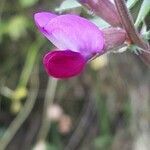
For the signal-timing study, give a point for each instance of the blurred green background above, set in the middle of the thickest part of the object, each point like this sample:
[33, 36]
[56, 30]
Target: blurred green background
[107, 107]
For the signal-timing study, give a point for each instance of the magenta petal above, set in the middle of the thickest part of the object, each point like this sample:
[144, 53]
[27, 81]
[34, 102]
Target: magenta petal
[63, 64]
[42, 18]
[75, 33]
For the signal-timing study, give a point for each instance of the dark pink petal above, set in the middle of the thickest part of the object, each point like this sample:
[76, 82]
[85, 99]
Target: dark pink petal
[75, 33]
[42, 18]
[63, 64]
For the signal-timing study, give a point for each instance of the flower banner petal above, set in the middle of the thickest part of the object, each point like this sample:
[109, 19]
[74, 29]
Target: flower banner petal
[42, 18]
[75, 33]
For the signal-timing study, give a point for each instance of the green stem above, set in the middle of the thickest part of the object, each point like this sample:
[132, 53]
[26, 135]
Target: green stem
[49, 97]
[30, 61]
[23, 114]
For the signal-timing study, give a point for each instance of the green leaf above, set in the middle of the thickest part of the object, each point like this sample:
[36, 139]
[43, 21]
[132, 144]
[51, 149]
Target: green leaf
[17, 26]
[68, 4]
[27, 3]
[51, 147]
[144, 10]
[3, 28]
[99, 22]
[146, 35]
[135, 49]
[131, 3]
[2, 131]
[144, 28]
[102, 142]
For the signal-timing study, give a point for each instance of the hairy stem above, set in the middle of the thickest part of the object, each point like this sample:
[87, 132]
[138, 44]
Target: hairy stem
[132, 33]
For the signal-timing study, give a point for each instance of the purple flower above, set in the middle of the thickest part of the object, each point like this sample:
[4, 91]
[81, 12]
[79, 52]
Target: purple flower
[77, 39]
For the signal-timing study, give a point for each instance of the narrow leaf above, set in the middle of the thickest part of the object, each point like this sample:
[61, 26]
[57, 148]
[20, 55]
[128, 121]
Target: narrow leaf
[144, 10]
[68, 4]
[131, 3]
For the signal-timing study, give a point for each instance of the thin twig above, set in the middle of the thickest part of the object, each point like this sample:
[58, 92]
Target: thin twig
[23, 114]
[1, 8]
[83, 126]
[86, 120]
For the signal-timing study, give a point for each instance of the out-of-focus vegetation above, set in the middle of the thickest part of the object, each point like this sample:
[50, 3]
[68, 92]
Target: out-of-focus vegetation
[106, 107]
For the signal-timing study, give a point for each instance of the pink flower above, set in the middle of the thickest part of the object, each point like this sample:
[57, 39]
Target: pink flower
[77, 39]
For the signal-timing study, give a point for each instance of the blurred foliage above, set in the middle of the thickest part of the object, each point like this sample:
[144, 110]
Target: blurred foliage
[27, 3]
[101, 108]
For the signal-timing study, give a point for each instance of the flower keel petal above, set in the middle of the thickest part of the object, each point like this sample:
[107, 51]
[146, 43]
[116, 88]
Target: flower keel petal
[63, 64]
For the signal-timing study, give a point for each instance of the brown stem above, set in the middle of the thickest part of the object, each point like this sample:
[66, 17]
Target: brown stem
[145, 57]
[128, 24]
[132, 33]
[105, 9]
